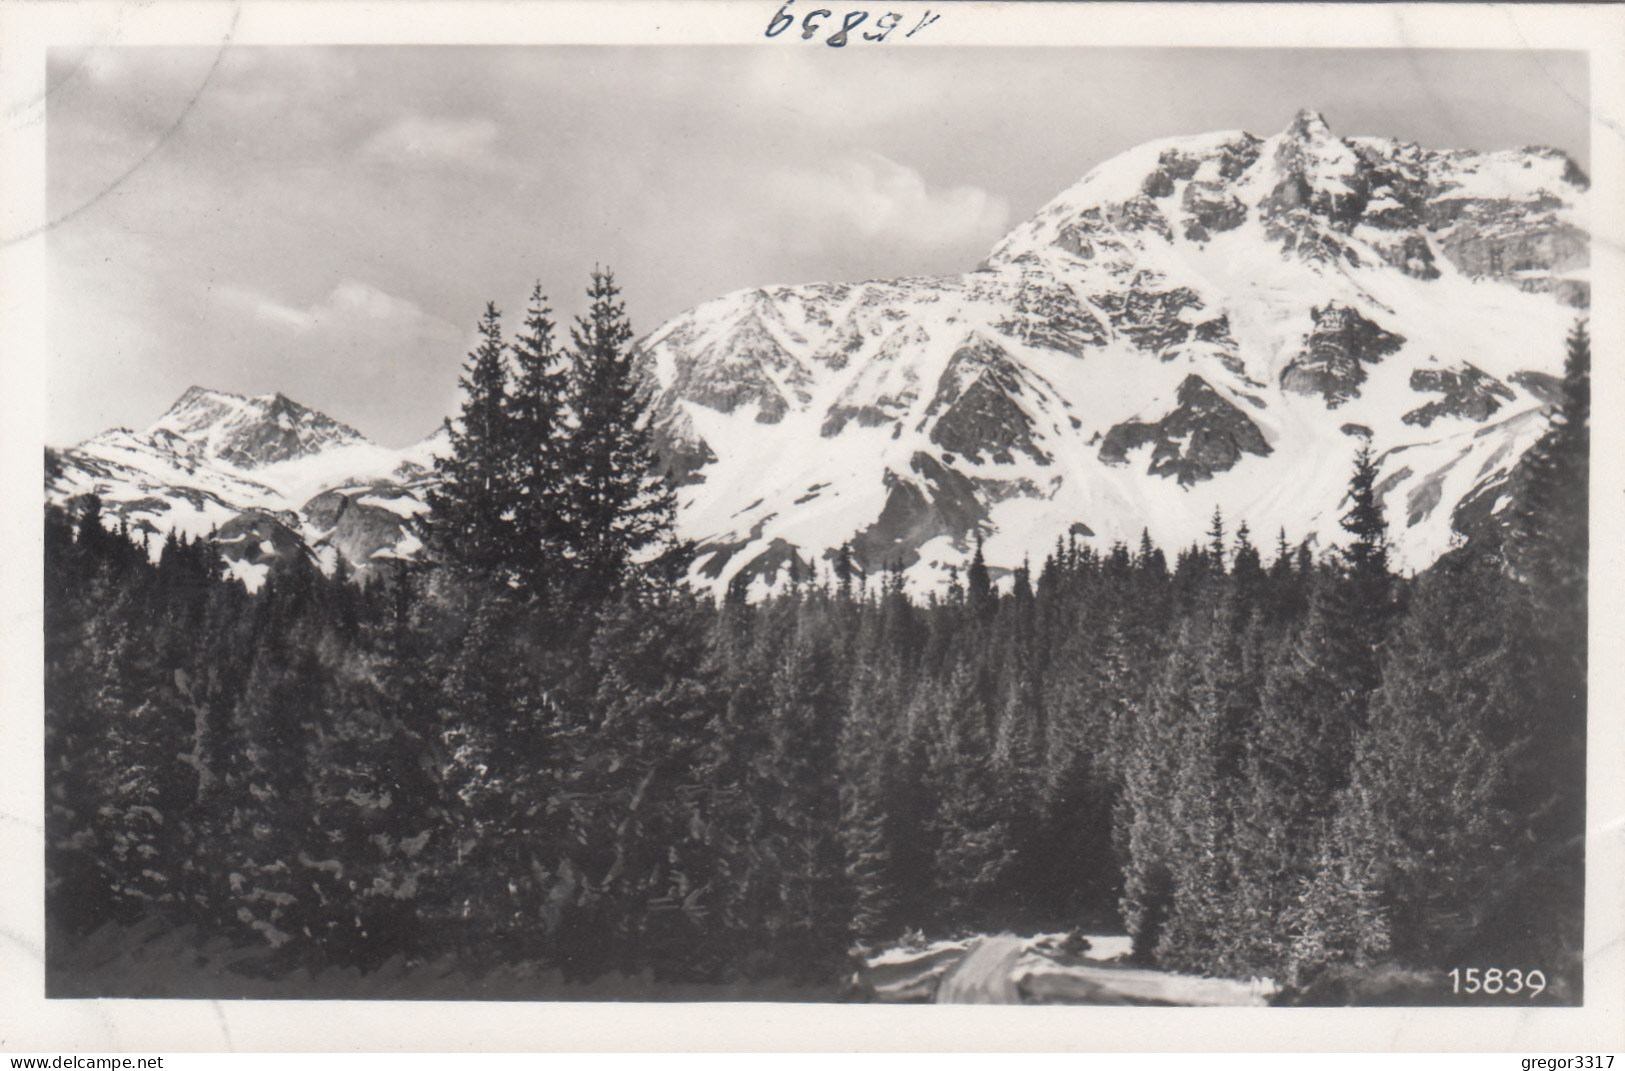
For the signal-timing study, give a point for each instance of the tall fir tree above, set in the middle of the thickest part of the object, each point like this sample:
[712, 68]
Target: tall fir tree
[484, 755]
[869, 777]
[472, 507]
[1211, 748]
[621, 511]
[637, 880]
[1367, 555]
[1429, 839]
[979, 584]
[1215, 541]
[971, 832]
[1247, 565]
[539, 438]
[1550, 539]
[806, 700]
[1550, 554]
[1313, 710]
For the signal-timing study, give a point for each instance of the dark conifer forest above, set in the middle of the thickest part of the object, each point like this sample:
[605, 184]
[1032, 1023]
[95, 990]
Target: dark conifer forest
[536, 746]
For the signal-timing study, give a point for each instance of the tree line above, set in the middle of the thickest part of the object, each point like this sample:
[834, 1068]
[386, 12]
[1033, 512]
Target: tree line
[544, 748]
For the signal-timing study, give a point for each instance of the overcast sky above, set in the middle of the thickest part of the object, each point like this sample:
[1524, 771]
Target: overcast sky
[328, 222]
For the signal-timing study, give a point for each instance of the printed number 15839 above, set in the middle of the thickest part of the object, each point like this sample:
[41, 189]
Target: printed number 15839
[1494, 980]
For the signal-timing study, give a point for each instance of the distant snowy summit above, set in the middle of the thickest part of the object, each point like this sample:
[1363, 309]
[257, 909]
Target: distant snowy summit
[1217, 320]
[268, 477]
[251, 432]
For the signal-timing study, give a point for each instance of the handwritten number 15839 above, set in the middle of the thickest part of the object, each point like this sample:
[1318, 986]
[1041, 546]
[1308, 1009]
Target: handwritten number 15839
[822, 18]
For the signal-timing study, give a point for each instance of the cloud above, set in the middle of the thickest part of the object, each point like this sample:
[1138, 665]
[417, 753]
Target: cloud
[798, 88]
[875, 199]
[348, 352]
[350, 304]
[416, 139]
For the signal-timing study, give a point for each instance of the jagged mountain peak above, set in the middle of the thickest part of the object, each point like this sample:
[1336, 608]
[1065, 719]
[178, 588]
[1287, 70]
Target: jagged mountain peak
[251, 431]
[1327, 200]
[197, 392]
[1309, 124]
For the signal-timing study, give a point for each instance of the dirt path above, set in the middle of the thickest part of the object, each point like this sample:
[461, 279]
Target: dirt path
[1006, 969]
[986, 975]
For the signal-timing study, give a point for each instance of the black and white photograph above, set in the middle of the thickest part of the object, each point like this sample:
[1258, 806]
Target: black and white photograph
[844, 514]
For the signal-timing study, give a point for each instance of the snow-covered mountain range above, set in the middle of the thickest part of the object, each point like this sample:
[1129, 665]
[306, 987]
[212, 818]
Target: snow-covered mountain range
[1210, 320]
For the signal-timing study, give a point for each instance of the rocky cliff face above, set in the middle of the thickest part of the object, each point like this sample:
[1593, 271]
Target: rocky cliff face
[1467, 392]
[1335, 352]
[1202, 435]
[1215, 320]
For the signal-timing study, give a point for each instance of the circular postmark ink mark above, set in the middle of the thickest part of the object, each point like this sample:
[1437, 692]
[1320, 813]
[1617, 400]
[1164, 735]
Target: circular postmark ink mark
[140, 161]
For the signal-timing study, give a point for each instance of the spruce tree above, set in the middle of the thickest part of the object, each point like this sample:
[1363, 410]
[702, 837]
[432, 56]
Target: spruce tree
[1022, 586]
[621, 511]
[971, 831]
[1549, 553]
[1210, 752]
[844, 570]
[92, 532]
[1312, 713]
[265, 797]
[806, 703]
[1436, 840]
[77, 897]
[1550, 537]
[1286, 597]
[1215, 541]
[472, 506]
[639, 873]
[1367, 555]
[477, 753]
[979, 584]
[1147, 549]
[540, 439]
[1079, 781]
[143, 784]
[875, 788]
[1248, 566]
